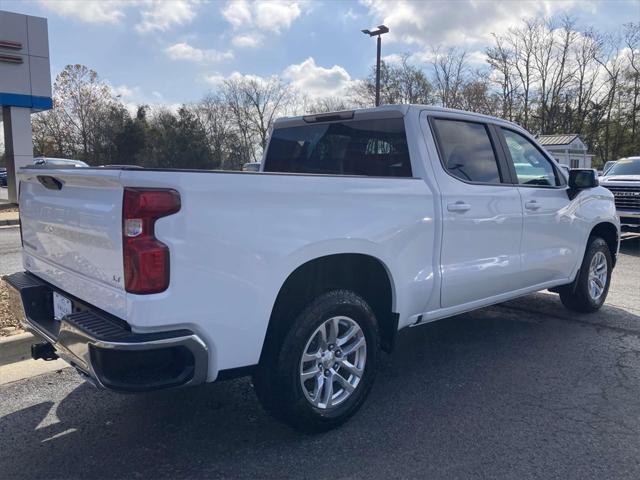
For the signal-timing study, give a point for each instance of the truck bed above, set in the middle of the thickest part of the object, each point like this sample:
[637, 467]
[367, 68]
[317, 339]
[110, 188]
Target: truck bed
[233, 243]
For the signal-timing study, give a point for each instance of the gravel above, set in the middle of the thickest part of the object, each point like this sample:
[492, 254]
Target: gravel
[9, 325]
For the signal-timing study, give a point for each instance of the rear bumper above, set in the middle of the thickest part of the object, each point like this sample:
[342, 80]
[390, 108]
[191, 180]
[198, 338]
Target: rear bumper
[103, 347]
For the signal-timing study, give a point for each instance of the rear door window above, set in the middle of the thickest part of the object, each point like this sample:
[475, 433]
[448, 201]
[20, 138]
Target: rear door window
[466, 150]
[358, 147]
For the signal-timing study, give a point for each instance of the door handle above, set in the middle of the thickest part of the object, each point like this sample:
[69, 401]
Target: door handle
[532, 205]
[459, 206]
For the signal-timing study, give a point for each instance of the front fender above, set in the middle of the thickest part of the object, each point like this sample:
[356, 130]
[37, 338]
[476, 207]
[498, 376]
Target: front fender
[593, 207]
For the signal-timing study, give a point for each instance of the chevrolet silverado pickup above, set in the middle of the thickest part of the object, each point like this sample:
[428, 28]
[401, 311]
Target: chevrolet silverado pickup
[623, 179]
[359, 224]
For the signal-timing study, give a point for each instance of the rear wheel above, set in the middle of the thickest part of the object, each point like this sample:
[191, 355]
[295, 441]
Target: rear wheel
[324, 367]
[589, 291]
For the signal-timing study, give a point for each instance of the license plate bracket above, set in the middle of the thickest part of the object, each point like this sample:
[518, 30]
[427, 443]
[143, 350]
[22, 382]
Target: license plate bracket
[61, 306]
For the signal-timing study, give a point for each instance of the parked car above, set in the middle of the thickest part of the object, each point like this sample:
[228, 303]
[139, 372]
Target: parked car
[3, 177]
[364, 223]
[623, 179]
[50, 162]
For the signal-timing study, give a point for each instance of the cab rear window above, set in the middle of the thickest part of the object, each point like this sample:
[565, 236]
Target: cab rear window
[359, 147]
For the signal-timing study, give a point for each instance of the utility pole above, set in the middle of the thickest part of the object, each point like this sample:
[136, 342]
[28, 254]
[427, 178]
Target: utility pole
[382, 29]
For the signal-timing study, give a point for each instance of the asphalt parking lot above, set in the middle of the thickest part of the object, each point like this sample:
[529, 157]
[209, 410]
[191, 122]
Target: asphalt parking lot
[521, 390]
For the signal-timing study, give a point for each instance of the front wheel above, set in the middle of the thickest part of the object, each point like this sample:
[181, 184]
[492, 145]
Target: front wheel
[589, 291]
[324, 367]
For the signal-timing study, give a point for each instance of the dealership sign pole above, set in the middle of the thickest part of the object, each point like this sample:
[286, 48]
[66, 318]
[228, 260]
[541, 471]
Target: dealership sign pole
[25, 87]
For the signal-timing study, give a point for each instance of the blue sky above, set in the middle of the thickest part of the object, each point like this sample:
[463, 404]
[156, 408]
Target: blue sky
[175, 51]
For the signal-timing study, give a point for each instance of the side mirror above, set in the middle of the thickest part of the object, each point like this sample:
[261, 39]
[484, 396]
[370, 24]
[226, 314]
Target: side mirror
[581, 179]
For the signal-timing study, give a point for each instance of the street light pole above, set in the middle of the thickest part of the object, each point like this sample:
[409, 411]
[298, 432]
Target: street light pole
[378, 71]
[377, 33]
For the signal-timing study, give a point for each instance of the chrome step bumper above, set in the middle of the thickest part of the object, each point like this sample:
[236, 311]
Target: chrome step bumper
[103, 347]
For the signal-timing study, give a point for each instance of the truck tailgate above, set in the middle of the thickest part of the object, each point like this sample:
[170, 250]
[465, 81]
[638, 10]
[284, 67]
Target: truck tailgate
[72, 232]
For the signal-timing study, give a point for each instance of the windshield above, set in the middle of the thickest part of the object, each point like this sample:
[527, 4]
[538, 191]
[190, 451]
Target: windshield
[625, 166]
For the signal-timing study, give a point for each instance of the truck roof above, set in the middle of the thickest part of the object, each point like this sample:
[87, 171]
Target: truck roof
[383, 111]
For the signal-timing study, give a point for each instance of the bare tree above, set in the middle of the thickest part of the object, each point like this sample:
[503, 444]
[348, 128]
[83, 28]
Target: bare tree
[401, 83]
[255, 103]
[449, 70]
[632, 51]
[83, 108]
[608, 56]
[523, 41]
[214, 115]
[586, 74]
[476, 95]
[551, 57]
[501, 59]
[325, 104]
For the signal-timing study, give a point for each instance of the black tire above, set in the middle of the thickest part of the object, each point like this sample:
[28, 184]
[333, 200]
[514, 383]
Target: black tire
[576, 296]
[277, 379]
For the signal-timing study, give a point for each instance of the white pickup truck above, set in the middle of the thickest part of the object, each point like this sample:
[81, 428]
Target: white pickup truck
[361, 223]
[623, 179]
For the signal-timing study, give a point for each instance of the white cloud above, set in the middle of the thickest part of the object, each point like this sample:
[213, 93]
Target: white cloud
[307, 77]
[317, 81]
[184, 51]
[133, 97]
[163, 14]
[477, 58]
[250, 40]
[270, 15]
[392, 59]
[238, 13]
[125, 92]
[214, 79]
[456, 23]
[274, 15]
[156, 15]
[351, 15]
[251, 77]
[89, 12]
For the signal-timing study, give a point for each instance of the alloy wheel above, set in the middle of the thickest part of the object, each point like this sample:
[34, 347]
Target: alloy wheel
[333, 362]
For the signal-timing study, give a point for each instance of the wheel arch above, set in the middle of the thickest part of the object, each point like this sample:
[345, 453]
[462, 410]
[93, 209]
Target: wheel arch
[609, 233]
[366, 275]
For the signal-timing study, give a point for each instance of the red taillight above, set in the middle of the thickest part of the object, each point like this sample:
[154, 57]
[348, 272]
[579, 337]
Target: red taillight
[146, 259]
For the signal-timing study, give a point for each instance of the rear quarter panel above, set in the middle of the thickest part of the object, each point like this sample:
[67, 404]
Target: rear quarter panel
[238, 236]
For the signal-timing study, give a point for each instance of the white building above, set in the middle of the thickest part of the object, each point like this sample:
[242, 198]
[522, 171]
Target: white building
[568, 149]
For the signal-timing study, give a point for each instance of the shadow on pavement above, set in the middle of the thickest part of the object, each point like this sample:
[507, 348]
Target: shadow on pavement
[518, 390]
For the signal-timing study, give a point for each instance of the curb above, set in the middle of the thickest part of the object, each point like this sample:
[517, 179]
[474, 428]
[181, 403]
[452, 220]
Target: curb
[16, 348]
